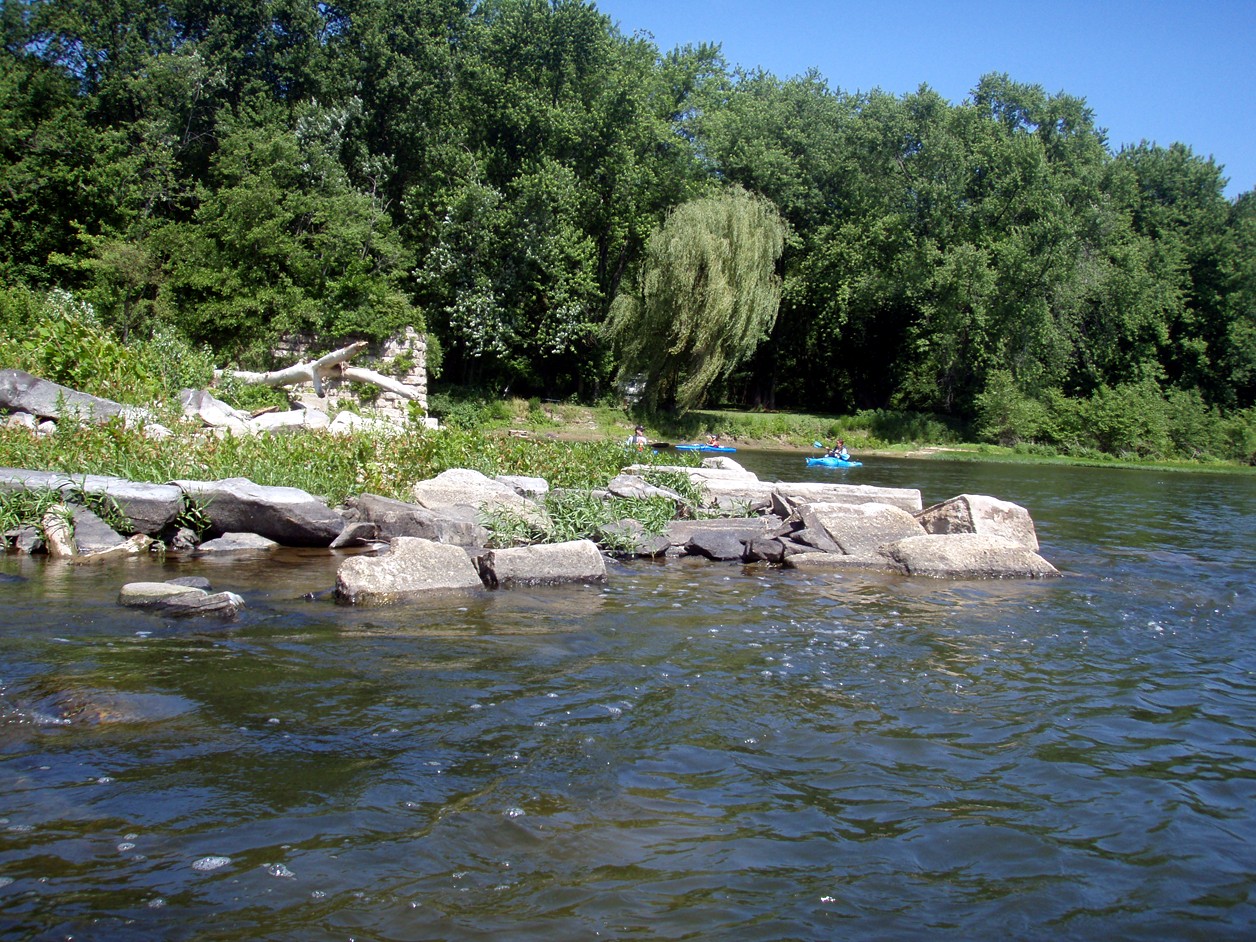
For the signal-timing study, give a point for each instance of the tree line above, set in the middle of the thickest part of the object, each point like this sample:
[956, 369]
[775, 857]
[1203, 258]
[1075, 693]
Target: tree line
[561, 205]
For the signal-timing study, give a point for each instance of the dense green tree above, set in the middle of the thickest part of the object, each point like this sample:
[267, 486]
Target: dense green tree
[707, 295]
[283, 243]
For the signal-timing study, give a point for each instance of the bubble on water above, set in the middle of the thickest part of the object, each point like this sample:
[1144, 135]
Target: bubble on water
[156, 903]
[5, 881]
[278, 870]
[125, 846]
[105, 780]
[614, 711]
[20, 828]
[273, 721]
[515, 812]
[477, 706]
[551, 695]
[130, 837]
[317, 894]
[210, 863]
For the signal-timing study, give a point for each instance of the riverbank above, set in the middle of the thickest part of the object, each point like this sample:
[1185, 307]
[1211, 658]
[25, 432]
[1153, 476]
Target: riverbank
[577, 424]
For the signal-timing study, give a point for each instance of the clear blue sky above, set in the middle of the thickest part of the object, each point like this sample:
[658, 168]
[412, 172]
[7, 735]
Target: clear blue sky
[1160, 70]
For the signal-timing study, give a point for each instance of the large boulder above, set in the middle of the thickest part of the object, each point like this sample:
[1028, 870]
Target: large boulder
[976, 513]
[543, 564]
[968, 556]
[22, 392]
[287, 515]
[393, 518]
[412, 568]
[859, 529]
[149, 508]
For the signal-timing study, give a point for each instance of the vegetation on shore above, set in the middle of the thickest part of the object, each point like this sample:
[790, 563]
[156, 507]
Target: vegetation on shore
[559, 205]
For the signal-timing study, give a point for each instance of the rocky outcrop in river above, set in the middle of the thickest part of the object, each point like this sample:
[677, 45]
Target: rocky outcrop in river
[441, 543]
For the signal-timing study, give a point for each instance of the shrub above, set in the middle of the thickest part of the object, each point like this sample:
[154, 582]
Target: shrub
[1005, 414]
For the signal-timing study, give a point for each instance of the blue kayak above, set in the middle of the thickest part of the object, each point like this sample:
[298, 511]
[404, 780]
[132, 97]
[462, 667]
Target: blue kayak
[827, 462]
[723, 448]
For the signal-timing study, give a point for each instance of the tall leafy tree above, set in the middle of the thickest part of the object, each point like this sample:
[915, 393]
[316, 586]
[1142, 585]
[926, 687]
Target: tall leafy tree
[707, 295]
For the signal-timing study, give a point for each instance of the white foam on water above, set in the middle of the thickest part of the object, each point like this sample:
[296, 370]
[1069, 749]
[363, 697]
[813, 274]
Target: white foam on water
[210, 863]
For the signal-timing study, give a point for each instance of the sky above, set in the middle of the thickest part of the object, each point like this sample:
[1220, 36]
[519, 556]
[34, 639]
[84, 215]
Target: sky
[1164, 71]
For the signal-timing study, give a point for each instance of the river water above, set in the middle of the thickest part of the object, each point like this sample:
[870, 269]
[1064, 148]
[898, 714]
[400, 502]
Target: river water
[695, 751]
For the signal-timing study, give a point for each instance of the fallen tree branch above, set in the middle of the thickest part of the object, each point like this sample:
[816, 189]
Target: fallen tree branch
[330, 365]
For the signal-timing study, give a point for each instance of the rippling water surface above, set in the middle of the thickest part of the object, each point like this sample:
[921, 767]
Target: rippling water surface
[696, 751]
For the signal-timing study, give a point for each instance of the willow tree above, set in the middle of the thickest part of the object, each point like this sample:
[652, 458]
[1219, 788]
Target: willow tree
[705, 296]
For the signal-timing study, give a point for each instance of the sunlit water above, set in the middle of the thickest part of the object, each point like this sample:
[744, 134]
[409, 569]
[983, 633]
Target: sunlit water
[696, 751]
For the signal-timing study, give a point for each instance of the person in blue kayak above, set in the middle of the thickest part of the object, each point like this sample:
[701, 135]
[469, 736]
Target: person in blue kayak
[713, 439]
[838, 451]
[638, 440]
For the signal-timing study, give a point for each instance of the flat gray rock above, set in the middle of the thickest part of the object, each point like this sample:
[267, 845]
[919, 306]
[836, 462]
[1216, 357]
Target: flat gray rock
[166, 598]
[462, 487]
[149, 508]
[393, 518]
[838, 562]
[91, 534]
[22, 392]
[524, 486]
[543, 564]
[237, 543]
[786, 498]
[411, 568]
[287, 515]
[968, 556]
[635, 487]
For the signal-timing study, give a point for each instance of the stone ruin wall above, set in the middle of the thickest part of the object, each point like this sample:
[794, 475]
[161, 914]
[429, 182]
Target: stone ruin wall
[379, 357]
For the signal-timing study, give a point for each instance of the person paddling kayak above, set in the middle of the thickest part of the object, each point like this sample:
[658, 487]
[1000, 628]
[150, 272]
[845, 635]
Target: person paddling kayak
[838, 451]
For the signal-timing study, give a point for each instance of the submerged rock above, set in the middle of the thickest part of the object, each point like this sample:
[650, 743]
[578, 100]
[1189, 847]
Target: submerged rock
[166, 598]
[237, 543]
